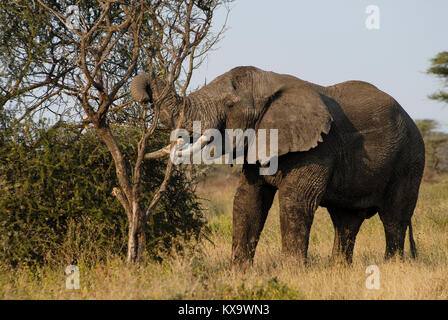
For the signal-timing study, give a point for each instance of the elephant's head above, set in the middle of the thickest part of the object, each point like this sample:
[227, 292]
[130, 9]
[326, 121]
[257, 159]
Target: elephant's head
[247, 97]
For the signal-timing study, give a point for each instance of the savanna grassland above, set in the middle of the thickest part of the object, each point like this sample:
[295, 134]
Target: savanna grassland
[203, 270]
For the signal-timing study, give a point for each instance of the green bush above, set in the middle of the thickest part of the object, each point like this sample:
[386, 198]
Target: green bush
[56, 202]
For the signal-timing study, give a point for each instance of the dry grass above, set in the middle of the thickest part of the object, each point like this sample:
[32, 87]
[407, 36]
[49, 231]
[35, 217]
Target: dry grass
[204, 271]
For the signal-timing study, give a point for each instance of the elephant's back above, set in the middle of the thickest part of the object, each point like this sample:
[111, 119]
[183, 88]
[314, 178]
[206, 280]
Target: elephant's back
[362, 100]
[378, 137]
[370, 111]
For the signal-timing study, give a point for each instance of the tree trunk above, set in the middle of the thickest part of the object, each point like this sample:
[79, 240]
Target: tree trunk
[132, 244]
[141, 237]
[136, 235]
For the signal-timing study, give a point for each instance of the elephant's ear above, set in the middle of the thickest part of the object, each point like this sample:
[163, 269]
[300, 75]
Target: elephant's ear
[299, 114]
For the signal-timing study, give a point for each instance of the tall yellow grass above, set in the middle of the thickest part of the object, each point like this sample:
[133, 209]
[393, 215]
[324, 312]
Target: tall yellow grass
[203, 271]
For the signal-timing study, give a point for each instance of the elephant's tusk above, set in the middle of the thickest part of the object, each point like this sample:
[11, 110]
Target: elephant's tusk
[158, 154]
[191, 148]
[165, 151]
[198, 145]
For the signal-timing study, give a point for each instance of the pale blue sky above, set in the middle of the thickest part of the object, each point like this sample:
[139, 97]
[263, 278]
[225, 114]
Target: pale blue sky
[326, 41]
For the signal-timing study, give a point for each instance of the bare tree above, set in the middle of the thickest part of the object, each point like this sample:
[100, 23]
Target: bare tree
[28, 69]
[105, 42]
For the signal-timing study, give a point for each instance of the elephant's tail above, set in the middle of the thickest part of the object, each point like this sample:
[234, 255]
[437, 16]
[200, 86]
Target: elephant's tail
[412, 242]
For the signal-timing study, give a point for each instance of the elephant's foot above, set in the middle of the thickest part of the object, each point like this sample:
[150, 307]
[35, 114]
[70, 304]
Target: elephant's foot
[241, 264]
[242, 254]
[296, 254]
[343, 247]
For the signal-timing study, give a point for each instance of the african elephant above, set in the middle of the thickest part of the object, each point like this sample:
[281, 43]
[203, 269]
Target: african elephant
[348, 147]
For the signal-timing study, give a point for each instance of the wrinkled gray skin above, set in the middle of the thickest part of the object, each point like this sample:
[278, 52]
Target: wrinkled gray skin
[348, 147]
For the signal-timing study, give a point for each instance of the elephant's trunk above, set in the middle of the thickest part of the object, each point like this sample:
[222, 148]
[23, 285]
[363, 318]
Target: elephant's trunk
[199, 106]
[146, 88]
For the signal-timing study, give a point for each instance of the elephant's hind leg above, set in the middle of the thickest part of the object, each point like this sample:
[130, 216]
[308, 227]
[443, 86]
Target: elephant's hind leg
[251, 205]
[346, 224]
[396, 220]
[396, 215]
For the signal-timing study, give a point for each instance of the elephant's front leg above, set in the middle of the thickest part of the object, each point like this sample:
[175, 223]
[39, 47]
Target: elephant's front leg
[251, 205]
[299, 197]
[296, 218]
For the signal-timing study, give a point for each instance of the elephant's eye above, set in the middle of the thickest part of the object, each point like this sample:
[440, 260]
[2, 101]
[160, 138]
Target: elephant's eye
[228, 104]
[231, 100]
